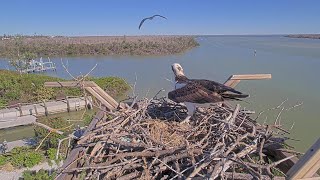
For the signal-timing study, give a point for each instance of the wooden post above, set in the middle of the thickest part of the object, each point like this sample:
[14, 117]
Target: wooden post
[85, 101]
[45, 108]
[59, 144]
[68, 104]
[20, 109]
[35, 109]
[308, 165]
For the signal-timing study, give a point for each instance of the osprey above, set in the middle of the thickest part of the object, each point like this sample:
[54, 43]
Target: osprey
[199, 91]
[150, 18]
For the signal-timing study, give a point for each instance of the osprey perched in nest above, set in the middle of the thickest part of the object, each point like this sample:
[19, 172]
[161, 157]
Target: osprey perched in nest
[199, 91]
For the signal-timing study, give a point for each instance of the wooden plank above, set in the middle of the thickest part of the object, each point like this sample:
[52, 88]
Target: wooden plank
[106, 96]
[100, 98]
[308, 165]
[75, 153]
[47, 127]
[250, 76]
[232, 83]
[313, 178]
[234, 80]
[69, 84]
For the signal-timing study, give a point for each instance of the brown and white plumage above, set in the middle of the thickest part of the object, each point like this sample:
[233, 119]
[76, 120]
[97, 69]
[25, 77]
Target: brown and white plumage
[199, 91]
[203, 91]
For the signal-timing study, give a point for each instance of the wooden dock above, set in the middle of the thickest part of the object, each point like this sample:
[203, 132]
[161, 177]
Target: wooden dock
[26, 114]
[39, 66]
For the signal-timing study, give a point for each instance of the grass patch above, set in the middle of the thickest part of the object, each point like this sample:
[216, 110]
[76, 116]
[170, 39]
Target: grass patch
[30, 87]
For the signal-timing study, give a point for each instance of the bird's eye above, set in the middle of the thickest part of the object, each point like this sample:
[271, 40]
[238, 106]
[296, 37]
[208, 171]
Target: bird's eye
[179, 68]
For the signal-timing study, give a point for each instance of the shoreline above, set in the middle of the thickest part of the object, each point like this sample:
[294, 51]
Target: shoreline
[96, 45]
[304, 36]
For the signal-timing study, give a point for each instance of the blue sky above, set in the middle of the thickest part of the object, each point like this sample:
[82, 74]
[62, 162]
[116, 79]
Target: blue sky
[122, 17]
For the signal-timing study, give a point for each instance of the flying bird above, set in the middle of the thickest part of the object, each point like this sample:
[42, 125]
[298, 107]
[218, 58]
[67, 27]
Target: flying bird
[199, 91]
[150, 18]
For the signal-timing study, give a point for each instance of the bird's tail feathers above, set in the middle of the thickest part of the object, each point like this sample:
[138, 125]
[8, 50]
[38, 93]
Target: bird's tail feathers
[235, 91]
[234, 96]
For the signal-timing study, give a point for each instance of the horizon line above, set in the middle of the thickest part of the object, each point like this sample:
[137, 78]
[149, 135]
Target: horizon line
[98, 35]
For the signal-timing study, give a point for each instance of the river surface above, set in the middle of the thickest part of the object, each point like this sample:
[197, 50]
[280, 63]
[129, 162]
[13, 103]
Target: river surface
[293, 63]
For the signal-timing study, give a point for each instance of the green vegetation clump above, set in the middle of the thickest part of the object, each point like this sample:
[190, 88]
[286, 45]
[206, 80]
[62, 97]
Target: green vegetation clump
[40, 175]
[22, 157]
[3, 160]
[30, 87]
[52, 140]
[96, 45]
[51, 153]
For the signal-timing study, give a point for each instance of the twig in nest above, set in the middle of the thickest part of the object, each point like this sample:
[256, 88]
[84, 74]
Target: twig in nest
[168, 166]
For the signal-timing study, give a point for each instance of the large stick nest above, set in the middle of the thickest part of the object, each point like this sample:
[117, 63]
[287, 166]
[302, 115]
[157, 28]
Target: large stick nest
[147, 141]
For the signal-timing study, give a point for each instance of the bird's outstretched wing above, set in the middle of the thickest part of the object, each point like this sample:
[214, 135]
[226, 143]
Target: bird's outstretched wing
[150, 18]
[158, 16]
[215, 86]
[142, 21]
[195, 93]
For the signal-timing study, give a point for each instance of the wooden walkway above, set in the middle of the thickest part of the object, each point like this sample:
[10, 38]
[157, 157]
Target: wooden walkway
[26, 114]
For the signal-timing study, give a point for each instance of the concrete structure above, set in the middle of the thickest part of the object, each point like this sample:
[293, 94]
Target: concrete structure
[26, 114]
[16, 121]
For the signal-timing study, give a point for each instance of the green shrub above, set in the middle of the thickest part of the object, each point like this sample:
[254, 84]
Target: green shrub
[24, 157]
[44, 93]
[3, 160]
[51, 153]
[32, 159]
[40, 175]
[52, 140]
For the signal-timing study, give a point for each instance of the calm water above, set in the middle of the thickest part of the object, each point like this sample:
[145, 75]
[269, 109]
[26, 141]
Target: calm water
[293, 63]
